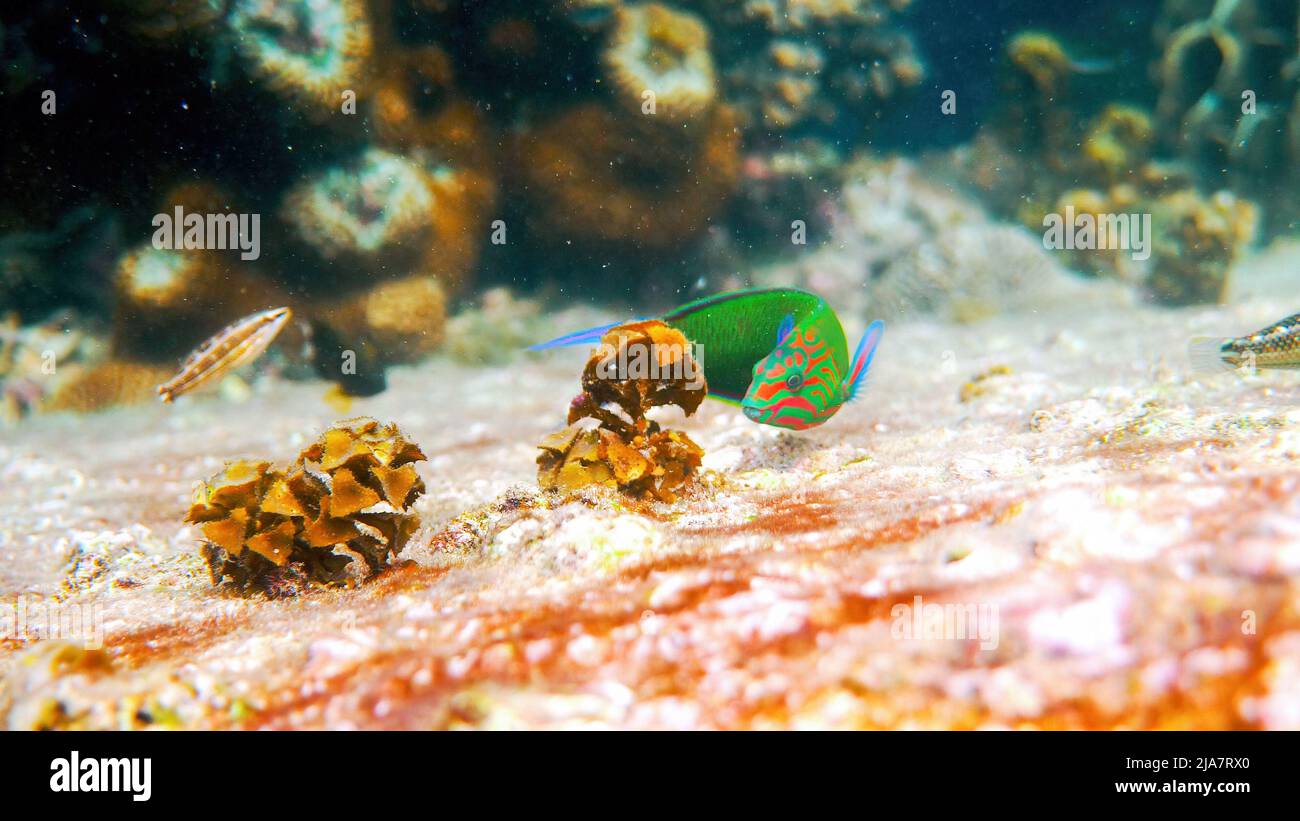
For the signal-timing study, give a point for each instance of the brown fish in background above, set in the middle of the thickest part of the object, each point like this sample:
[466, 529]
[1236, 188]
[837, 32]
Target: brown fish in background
[233, 346]
[1277, 346]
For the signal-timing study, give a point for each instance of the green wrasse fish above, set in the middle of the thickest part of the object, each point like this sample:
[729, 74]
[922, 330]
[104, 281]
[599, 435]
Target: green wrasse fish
[1277, 346]
[779, 353]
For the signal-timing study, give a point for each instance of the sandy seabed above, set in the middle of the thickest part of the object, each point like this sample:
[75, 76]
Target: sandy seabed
[1088, 536]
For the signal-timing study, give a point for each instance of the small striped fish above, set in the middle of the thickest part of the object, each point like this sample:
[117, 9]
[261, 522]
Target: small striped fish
[237, 344]
[1277, 346]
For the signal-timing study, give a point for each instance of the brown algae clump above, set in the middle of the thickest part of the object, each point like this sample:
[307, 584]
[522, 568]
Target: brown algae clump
[278, 530]
[638, 366]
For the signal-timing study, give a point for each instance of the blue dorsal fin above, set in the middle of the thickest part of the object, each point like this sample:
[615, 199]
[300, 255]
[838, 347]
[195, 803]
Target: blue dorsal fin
[786, 328]
[862, 358]
[588, 336]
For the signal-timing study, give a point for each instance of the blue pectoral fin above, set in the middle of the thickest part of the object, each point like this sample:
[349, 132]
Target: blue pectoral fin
[862, 358]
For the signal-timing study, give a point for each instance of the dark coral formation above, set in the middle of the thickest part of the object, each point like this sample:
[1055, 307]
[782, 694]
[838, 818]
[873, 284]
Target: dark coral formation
[625, 449]
[789, 63]
[348, 494]
[592, 179]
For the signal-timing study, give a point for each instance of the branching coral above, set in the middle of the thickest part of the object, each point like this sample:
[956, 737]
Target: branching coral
[653, 48]
[307, 51]
[1043, 59]
[1102, 172]
[593, 179]
[273, 529]
[1118, 141]
[627, 450]
[1226, 93]
[904, 245]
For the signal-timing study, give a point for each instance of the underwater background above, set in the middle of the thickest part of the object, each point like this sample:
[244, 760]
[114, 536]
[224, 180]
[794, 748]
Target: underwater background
[433, 186]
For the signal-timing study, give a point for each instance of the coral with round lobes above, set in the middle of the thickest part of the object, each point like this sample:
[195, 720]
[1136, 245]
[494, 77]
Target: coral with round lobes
[159, 294]
[626, 450]
[403, 318]
[363, 208]
[306, 51]
[663, 51]
[593, 179]
[463, 198]
[165, 299]
[279, 529]
[164, 278]
[383, 214]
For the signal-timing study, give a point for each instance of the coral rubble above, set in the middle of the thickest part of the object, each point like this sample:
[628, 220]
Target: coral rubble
[277, 530]
[626, 449]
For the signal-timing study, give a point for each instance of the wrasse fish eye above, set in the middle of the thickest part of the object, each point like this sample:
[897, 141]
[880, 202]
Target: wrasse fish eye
[238, 344]
[794, 381]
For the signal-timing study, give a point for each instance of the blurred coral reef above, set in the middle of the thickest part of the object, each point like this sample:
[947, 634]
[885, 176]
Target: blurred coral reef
[401, 138]
[1114, 161]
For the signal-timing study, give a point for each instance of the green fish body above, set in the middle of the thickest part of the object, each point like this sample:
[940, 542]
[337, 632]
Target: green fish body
[780, 353]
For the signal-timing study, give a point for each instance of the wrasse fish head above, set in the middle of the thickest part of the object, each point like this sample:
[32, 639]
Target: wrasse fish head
[800, 385]
[796, 386]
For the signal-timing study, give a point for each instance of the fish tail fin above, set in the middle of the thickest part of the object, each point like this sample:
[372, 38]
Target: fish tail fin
[862, 358]
[587, 336]
[1206, 354]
